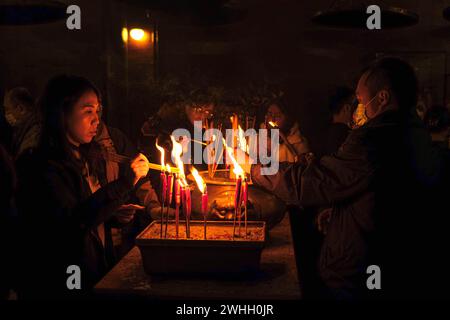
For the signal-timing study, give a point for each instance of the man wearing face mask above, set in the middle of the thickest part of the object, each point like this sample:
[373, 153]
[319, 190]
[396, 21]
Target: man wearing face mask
[378, 185]
[22, 116]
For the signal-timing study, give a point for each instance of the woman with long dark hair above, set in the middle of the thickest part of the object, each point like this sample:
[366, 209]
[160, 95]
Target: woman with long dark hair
[62, 204]
[294, 144]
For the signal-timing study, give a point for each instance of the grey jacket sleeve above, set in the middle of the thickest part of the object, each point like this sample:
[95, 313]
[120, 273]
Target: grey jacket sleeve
[323, 182]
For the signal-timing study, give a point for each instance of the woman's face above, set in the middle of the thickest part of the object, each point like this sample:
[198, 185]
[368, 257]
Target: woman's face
[275, 114]
[83, 121]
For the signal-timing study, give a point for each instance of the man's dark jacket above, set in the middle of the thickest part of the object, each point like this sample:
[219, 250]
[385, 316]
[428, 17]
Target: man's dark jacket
[381, 185]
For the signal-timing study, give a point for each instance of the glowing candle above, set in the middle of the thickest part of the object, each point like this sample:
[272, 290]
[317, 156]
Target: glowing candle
[168, 196]
[244, 201]
[202, 187]
[204, 210]
[177, 204]
[187, 191]
[237, 203]
[163, 185]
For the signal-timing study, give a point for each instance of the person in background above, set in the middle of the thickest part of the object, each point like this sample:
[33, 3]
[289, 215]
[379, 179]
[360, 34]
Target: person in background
[342, 106]
[437, 121]
[5, 130]
[295, 144]
[62, 205]
[23, 117]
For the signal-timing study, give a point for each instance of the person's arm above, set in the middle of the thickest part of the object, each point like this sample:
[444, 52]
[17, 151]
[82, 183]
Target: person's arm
[92, 211]
[60, 194]
[324, 182]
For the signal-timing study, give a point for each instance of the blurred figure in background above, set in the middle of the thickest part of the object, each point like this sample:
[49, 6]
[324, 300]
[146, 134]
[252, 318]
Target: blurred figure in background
[437, 121]
[292, 143]
[342, 105]
[24, 118]
[5, 130]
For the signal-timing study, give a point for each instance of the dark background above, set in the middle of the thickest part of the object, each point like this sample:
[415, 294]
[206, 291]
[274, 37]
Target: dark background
[276, 40]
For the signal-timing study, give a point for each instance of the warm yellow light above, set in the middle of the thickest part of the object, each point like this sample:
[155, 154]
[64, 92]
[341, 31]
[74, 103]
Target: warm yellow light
[125, 35]
[137, 34]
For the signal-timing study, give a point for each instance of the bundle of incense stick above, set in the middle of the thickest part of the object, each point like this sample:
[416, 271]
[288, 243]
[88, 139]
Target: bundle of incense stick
[115, 157]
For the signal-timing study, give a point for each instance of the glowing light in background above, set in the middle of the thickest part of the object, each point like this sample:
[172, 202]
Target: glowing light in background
[137, 38]
[125, 35]
[138, 34]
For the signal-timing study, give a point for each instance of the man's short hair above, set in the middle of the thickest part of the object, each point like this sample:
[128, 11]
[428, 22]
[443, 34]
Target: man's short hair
[341, 97]
[397, 76]
[21, 96]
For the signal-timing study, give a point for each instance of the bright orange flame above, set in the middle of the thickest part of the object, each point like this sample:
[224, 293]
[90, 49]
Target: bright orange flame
[237, 170]
[177, 150]
[273, 124]
[162, 151]
[198, 179]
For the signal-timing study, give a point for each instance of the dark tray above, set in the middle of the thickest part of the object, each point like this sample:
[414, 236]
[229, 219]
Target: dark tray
[181, 256]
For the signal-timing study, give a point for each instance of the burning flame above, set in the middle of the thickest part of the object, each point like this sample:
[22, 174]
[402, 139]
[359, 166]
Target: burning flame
[237, 169]
[273, 124]
[161, 150]
[167, 167]
[198, 179]
[177, 150]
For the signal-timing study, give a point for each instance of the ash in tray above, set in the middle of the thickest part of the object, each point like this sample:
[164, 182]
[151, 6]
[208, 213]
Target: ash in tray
[213, 232]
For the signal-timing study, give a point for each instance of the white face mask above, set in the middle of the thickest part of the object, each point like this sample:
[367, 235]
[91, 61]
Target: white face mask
[11, 119]
[360, 115]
